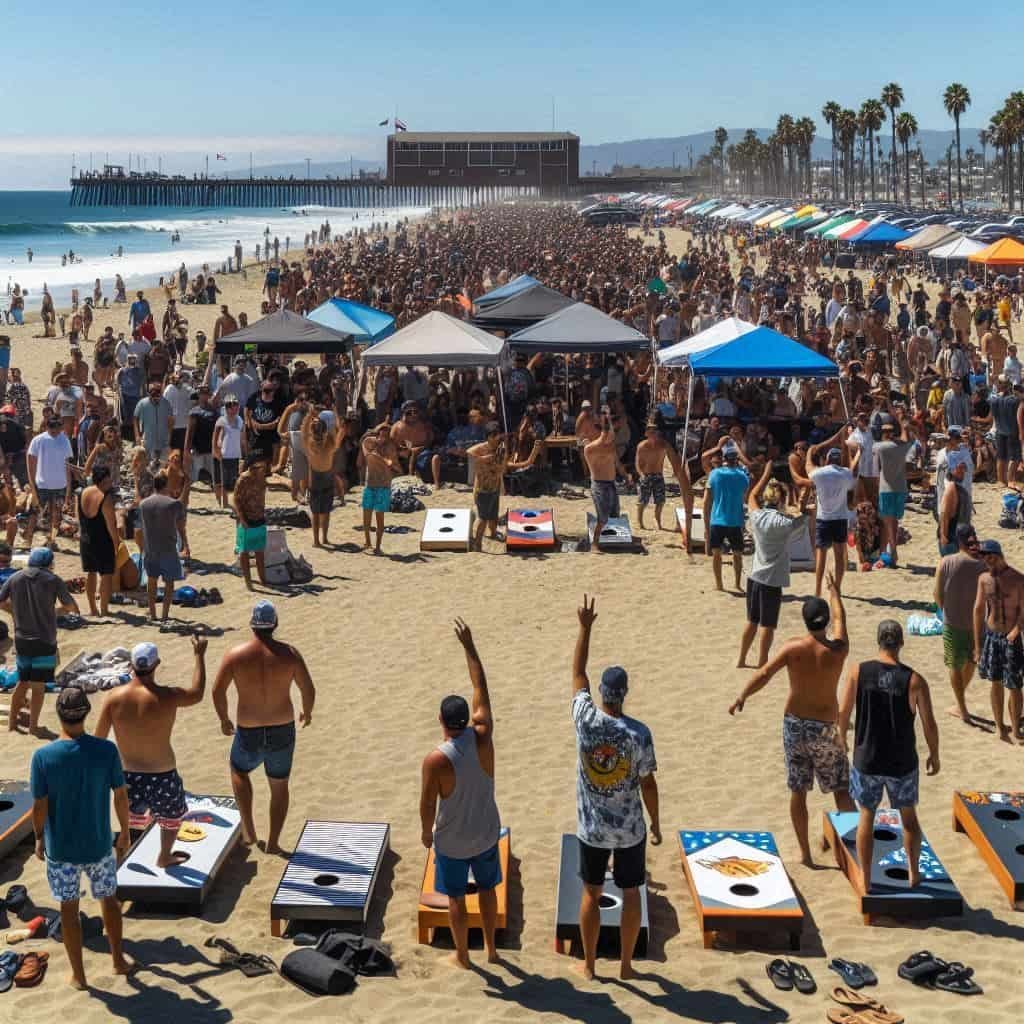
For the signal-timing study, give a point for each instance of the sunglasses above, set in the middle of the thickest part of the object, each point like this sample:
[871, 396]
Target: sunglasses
[231, 405]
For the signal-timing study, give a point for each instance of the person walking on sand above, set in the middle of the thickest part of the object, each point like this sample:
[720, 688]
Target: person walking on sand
[49, 454]
[887, 696]
[163, 531]
[614, 782]
[142, 714]
[458, 813]
[651, 453]
[250, 501]
[263, 670]
[320, 443]
[381, 457]
[71, 781]
[723, 512]
[603, 464]
[998, 650]
[810, 741]
[832, 485]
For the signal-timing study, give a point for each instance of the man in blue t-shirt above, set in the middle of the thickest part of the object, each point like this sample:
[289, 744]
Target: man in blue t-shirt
[72, 779]
[724, 499]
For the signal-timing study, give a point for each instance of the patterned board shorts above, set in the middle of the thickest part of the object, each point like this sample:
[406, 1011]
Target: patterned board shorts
[66, 879]
[158, 793]
[812, 751]
[867, 789]
[1002, 661]
[652, 488]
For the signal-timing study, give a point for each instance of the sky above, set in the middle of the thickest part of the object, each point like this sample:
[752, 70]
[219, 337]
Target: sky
[313, 80]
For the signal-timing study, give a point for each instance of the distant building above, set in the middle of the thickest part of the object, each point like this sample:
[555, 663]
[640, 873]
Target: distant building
[549, 161]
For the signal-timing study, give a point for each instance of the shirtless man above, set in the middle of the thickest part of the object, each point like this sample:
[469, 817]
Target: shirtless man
[250, 501]
[993, 350]
[224, 325]
[142, 714]
[410, 435]
[650, 470]
[320, 443]
[998, 651]
[380, 454]
[810, 739]
[490, 464]
[263, 670]
[603, 461]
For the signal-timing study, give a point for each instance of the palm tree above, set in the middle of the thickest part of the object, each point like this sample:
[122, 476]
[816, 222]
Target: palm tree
[949, 175]
[984, 137]
[785, 134]
[970, 170]
[804, 130]
[906, 129]
[846, 128]
[872, 115]
[721, 137]
[892, 97]
[956, 99]
[830, 113]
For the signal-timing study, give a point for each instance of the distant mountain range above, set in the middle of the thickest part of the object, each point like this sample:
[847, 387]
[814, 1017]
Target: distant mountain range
[681, 149]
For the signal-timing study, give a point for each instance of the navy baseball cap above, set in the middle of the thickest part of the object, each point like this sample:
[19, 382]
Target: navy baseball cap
[816, 614]
[455, 712]
[991, 547]
[614, 684]
[264, 616]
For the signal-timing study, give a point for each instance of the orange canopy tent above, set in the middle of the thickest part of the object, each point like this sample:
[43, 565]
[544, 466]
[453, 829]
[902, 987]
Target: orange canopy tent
[1007, 252]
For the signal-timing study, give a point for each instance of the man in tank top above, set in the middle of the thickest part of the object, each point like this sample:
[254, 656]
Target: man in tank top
[457, 809]
[887, 696]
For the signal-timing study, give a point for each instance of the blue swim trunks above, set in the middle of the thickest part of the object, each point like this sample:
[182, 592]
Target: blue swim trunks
[377, 499]
[867, 790]
[451, 874]
[35, 660]
[250, 538]
[892, 504]
[272, 746]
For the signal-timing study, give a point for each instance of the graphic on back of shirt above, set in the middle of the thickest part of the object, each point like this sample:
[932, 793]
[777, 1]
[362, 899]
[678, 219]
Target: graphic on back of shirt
[606, 765]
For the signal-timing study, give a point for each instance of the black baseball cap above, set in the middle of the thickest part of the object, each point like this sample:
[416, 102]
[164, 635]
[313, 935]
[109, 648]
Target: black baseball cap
[73, 704]
[455, 712]
[816, 614]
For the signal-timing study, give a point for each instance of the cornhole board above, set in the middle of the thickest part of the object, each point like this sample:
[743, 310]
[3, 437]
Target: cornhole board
[697, 537]
[995, 824]
[138, 877]
[616, 535]
[446, 529]
[567, 903]
[530, 529]
[433, 908]
[936, 896]
[332, 873]
[801, 551]
[15, 814]
[739, 883]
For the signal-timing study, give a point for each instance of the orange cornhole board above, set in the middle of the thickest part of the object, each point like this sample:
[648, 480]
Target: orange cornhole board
[15, 814]
[530, 529]
[433, 908]
[995, 824]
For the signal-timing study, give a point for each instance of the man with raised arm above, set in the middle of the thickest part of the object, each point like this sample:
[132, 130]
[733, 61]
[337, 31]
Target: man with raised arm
[458, 814]
[615, 772]
[832, 485]
[810, 739]
[602, 458]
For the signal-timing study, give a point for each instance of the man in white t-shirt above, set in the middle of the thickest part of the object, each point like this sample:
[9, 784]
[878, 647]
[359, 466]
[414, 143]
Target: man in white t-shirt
[832, 484]
[180, 398]
[861, 439]
[229, 447]
[668, 327]
[48, 455]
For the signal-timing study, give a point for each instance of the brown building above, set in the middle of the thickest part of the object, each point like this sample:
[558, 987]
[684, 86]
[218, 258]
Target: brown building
[549, 161]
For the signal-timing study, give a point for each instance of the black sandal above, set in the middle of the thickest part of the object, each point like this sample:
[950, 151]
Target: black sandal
[922, 968]
[849, 972]
[781, 974]
[870, 978]
[958, 978]
[802, 978]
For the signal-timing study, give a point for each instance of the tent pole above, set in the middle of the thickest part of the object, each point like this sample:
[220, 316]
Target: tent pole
[842, 395]
[501, 395]
[686, 420]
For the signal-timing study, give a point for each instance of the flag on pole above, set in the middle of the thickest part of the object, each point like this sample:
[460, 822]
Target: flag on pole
[399, 125]
[384, 123]
[221, 156]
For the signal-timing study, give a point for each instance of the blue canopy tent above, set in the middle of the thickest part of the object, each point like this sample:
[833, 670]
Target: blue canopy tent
[879, 234]
[506, 291]
[364, 323]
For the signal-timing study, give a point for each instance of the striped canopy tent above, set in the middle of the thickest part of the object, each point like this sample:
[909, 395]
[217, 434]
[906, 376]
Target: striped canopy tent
[928, 238]
[833, 222]
[763, 222]
[848, 231]
[781, 216]
[1007, 252]
[805, 213]
[807, 223]
[852, 226]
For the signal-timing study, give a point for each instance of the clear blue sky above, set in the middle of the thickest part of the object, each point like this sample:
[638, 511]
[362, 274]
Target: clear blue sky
[237, 71]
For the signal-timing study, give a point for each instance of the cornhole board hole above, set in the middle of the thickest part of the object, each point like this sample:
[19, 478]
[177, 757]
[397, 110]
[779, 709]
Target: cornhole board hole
[530, 529]
[446, 529]
[138, 877]
[739, 884]
[801, 551]
[567, 902]
[936, 896]
[995, 824]
[15, 814]
[433, 909]
[332, 873]
[616, 535]
[697, 537]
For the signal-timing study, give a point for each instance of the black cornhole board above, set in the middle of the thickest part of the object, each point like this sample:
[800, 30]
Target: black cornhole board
[15, 814]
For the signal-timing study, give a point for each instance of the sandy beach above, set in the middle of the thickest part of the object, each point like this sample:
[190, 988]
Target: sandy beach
[377, 636]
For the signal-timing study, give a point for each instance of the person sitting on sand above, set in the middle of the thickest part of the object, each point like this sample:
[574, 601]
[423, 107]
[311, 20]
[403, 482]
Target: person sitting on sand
[250, 501]
[809, 739]
[458, 814]
[263, 670]
[887, 696]
[650, 470]
[319, 444]
[142, 714]
[380, 455]
[616, 766]
[602, 459]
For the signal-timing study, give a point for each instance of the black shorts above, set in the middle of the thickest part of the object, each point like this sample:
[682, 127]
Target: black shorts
[733, 534]
[1008, 448]
[830, 531]
[629, 865]
[225, 473]
[178, 439]
[487, 503]
[763, 604]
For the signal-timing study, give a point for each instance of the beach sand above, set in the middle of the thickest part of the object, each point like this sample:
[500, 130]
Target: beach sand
[377, 635]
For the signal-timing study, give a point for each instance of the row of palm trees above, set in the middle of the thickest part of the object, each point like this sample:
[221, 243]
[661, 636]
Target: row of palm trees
[780, 165]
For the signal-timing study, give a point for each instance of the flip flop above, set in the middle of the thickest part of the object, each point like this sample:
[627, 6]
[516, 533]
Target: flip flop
[16, 899]
[9, 964]
[32, 970]
[868, 1011]
[870, 978]
[848, 972]
[958, 978]
[922, 968]
[781, 974]
[803, 980]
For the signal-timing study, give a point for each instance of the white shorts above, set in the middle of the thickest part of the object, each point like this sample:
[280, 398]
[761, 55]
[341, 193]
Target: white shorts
[200, 462]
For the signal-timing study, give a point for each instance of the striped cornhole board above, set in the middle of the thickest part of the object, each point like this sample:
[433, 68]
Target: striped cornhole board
[332, 873]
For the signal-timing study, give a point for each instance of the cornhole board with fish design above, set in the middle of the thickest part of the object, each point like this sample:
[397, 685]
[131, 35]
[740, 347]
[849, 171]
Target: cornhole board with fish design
[891, 895]
[433, 908]
[446, 529]
[995, 824]
[530, 529]
[739, 883]
[332, 873]
[567, 904]
[15, 814]
[138, 877]
[616, 535]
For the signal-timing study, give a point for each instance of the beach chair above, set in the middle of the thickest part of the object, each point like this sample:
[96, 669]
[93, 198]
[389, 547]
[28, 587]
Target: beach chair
[530, 529]
[994, 822]
[210, 831]
[15, 814]
[331, 875]
[432, 912]
[446, 529]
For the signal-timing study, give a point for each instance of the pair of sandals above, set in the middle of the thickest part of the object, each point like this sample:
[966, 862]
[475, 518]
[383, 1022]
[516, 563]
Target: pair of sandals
[787, 975]
[930, 971]
[857, 1008]
[250, 964]
[25, 971]
[854, 974]
[9, 964]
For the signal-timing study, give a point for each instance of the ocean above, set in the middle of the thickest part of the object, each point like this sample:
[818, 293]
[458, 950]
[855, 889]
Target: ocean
[46, 223]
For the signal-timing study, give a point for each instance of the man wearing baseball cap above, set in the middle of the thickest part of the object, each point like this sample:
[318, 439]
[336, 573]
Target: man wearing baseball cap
[262, 670]
[458, 813]
[72, 779]
[832, 485]
[724, 498]
[142, 714]
[614, 783]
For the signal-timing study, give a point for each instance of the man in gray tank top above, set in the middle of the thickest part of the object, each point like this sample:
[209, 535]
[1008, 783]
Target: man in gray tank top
[457, 809]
